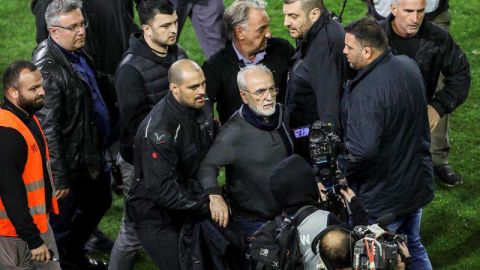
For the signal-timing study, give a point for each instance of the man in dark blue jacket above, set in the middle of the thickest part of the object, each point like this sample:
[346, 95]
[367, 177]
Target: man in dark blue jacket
[386, 133]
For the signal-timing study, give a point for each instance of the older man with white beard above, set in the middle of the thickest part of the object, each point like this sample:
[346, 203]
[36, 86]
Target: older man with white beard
[250, 144]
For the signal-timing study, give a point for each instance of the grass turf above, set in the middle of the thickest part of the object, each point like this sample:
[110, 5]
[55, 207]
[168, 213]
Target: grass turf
[451, 224]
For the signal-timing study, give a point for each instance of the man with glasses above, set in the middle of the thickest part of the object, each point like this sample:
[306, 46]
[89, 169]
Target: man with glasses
[249, 145]
[76, 123]
[111, 23]
[249, 42]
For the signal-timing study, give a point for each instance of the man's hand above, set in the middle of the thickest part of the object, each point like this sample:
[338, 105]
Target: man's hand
[348, 194]
[403, 253]
[41, 254]
[219, 210]
[433, 117]
[322, 191]
[61, 193]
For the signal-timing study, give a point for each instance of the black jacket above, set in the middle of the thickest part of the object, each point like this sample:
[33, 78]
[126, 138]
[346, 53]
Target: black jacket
[438, 53]
[386, 133]
[141, 81]
[67, 117]
[442, 6]
[316, 77]
[221, 74]
[110, 23]
[13, 158]
[169, 145]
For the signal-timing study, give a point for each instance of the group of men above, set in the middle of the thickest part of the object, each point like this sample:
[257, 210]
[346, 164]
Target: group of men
[377, 83]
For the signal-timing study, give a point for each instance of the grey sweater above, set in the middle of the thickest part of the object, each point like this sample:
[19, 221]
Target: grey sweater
[249, 154]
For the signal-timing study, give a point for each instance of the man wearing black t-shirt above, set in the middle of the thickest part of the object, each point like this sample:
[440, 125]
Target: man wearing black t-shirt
[436, 54]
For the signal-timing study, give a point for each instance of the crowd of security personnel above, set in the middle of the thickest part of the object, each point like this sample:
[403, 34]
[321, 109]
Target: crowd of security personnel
[97, 80]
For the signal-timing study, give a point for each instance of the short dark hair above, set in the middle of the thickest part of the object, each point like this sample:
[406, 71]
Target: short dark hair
[369, 33]
[307, 5]
[12, 73]
[147, 9]
[336, 248]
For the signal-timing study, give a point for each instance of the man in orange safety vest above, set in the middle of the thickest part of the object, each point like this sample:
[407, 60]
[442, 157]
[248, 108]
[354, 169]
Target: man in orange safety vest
[27, 192]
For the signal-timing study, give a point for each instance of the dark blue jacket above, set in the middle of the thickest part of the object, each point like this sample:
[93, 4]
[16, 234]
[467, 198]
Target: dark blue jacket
[387, 136]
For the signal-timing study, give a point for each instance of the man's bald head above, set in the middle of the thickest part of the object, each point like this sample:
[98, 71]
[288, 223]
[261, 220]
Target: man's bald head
[175, 73]
[187, 83]
[335, 247]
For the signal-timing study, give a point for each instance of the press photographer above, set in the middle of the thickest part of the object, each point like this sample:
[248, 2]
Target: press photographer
[285, 243]
[363, 248]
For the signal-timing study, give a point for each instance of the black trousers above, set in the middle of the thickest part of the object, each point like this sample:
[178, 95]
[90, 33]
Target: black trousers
[80, 213]
[161, 243]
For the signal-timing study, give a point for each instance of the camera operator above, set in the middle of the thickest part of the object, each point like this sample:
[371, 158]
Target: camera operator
[293, 186]
[336, 247]
[386, 134]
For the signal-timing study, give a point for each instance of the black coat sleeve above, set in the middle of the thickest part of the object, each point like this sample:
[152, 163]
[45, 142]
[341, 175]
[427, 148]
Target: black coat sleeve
[456, 70]
[160, 175]
[12, 189]
[132, 98]
[213, 81]
[326, 76]
[359, 214]
[50, 117]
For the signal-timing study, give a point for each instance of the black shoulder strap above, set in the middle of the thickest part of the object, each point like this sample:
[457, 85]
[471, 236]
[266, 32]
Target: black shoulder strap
[304, 212]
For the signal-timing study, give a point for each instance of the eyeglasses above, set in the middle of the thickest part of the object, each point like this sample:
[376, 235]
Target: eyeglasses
[262, 92]
[74, 28]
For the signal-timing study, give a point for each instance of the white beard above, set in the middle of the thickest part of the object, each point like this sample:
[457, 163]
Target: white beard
[263, 112]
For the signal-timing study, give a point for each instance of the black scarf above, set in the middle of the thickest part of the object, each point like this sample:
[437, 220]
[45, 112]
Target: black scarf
[269, 123]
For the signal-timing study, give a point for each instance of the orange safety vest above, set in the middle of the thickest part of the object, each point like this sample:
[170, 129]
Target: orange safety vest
[33, 178]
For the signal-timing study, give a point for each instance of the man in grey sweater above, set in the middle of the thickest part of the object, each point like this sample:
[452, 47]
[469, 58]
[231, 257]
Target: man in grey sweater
[250, 144]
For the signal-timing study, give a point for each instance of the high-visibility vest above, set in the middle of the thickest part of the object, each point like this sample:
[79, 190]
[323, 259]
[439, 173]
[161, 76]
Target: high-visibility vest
[33, 177]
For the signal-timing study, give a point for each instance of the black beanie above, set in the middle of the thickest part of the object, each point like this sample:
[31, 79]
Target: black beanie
[292, 183]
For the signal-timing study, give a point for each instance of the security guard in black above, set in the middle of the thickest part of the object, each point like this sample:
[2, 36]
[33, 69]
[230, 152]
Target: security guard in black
[169, 145]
